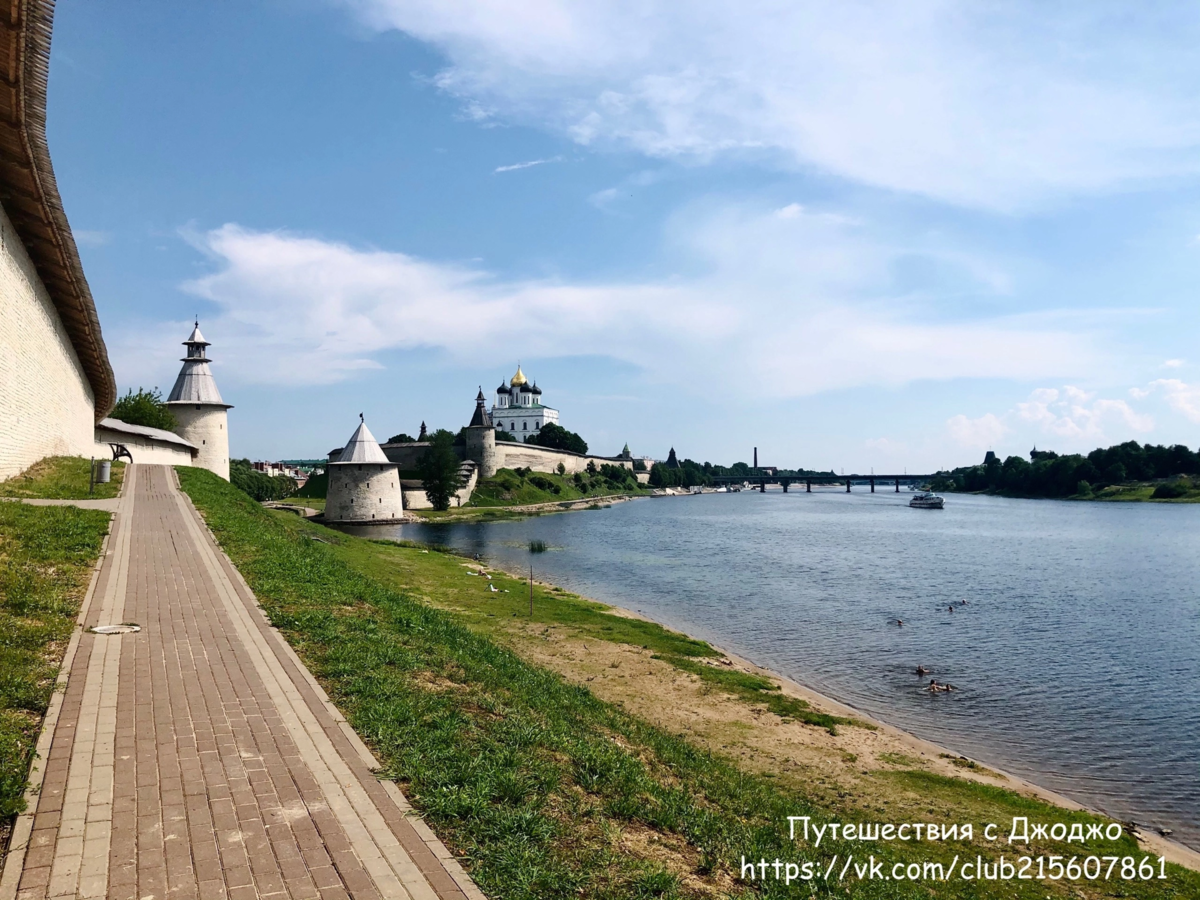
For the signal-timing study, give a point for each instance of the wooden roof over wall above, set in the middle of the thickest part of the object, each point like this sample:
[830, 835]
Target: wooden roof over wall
[29, 192]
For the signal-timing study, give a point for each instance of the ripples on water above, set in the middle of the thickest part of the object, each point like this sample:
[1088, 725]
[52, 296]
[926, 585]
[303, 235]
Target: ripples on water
[1077, 654]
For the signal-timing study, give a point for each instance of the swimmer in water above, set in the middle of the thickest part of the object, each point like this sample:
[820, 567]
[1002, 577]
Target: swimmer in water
[900, 623]
[934, 687]
[951, 608]
[921, 670]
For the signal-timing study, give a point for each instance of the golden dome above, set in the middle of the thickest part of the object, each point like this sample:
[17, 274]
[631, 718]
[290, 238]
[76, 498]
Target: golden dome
[518, 379]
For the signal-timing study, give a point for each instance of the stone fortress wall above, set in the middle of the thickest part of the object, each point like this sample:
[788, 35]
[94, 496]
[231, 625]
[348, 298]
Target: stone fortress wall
[508, 456]
[414, 491]
[150, 446]
[48, 408]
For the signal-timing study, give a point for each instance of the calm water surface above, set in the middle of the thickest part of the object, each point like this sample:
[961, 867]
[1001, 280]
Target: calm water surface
[1077, 654]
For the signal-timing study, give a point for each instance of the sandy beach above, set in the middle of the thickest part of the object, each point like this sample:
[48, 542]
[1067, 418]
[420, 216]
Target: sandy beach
[834, 764]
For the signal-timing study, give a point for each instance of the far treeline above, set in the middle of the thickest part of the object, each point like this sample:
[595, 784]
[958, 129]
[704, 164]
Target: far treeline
[689, 473]
[1046, 474]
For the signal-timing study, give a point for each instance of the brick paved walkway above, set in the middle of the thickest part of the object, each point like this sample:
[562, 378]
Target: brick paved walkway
[198, 758]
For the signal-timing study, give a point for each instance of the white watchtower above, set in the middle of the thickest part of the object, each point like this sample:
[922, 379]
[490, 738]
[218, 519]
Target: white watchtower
[201, 414]
[364, 485]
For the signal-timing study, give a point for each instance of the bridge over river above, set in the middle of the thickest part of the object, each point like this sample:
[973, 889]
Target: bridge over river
[762, 479]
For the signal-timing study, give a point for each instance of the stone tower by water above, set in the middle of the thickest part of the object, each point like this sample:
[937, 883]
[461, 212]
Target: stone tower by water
[201, 414]
[364, 485]
[481, 439]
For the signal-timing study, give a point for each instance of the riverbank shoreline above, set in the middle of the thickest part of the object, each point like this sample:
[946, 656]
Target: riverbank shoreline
[938, 757]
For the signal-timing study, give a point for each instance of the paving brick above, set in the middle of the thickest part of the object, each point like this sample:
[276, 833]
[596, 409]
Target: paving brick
[197, 758]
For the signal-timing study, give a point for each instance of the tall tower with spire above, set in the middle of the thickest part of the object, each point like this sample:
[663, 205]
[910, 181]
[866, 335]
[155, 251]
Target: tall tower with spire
[481, 439]
[198, 408]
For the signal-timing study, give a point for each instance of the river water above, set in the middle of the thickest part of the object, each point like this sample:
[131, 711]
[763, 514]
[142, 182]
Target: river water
[1077, 653]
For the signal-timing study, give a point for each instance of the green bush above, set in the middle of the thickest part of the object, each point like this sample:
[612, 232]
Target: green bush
[316, 486]
[1170, 490]
[259, 485]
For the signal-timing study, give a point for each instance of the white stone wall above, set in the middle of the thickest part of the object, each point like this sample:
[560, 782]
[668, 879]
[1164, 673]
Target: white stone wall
[364, 492]
[414, 493]
[46, 402]
[544, 459]
[208, 428]
[145, 450]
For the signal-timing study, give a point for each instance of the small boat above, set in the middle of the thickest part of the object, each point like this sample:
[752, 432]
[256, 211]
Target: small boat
[927, 500]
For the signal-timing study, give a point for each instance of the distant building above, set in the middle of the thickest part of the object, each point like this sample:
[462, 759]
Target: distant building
[198, 408]
[56, 383]
[518, 408]
[364, 485]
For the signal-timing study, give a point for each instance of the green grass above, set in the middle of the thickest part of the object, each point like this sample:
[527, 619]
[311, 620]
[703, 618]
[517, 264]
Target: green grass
[531, 779]
[61, 478]
[1140, 491]
[46, 554]
[512, 488]
[757, 689]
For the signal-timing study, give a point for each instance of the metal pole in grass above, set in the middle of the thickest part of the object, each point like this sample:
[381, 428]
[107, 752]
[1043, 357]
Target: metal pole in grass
[92, 475]
[531, 590]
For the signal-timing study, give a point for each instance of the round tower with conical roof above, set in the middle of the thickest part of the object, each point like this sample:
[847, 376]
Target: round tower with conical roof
[364, 485]
[481, 439]
[201, 414]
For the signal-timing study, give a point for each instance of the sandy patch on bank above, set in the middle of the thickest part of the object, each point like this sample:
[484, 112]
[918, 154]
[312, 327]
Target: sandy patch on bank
[834, 769]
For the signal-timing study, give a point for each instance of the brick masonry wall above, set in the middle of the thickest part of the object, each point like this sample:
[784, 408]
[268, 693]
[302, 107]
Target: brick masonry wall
[46, 403]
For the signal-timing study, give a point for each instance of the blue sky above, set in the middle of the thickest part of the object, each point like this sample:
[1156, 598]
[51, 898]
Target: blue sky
[855, 235]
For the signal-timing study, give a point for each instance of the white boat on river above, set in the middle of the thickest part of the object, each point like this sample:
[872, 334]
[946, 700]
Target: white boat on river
[927, 500]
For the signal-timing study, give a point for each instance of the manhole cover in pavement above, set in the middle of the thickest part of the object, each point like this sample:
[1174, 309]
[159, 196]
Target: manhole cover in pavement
[125, 628]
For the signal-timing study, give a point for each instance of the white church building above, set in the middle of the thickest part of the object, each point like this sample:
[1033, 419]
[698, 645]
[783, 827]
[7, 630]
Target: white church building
[518, 408]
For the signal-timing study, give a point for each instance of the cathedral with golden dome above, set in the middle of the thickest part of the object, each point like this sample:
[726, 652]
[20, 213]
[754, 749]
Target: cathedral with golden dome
[518, 408]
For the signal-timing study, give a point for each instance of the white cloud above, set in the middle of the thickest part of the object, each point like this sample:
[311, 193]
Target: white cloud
[1075, 413]
[886, 446]
[981, 433]
[995, 105]
[603, 199]
[1181, 397]
[1173, 364]
[790, 306]
[526, 165]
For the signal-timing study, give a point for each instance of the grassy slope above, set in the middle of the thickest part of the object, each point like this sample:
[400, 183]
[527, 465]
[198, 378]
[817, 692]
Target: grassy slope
[1139, 492]
[61, 478]
[46, 554]
[548, 791]
[511, 489]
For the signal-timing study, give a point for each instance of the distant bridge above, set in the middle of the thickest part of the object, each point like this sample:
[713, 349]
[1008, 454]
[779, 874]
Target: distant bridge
[760, 480]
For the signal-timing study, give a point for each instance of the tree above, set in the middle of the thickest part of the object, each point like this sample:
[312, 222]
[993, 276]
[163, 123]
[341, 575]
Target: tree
[506, 437]
[144, 408]
[401, 438]
[558, 438]
[259, 485]
[562, 469]
[438, 469]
